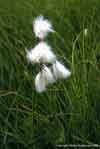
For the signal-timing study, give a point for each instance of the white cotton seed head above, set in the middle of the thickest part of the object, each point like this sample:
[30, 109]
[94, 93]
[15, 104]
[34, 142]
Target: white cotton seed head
[48, 76]
[41, 53]
[43, 78]
[33, 56]
[60, 71]
[29, 56]
[42, 27]
[40, 83]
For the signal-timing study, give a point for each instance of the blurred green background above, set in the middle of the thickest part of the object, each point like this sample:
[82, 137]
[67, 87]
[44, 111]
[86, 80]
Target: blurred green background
[68, 112]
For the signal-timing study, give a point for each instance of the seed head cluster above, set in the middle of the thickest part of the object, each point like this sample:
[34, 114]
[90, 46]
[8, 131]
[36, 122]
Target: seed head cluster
[43, 54]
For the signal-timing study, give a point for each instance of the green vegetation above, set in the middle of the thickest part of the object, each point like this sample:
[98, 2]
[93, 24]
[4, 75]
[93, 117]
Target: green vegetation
[68, 112]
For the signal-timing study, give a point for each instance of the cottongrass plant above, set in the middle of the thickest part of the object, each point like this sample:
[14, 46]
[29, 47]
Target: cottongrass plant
[42, 27]
[43, 55]
[43, 78]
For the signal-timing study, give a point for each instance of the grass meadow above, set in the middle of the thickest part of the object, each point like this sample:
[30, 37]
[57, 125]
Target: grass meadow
[69, 111]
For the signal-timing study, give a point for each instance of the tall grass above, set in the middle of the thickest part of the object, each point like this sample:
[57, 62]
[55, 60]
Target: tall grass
[68, 112]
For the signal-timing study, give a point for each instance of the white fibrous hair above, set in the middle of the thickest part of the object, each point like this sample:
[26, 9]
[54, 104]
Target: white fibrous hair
[43, 78]
[40, 83]
[41, 53]
[47, 74]
[59, 71]
[42, 27]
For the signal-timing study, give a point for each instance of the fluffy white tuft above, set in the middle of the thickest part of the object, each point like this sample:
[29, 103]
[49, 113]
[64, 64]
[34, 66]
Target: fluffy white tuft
[48, 76]
[43, 78]
[60, 71]
[42, 27]
[40, 83]
[41, 53]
